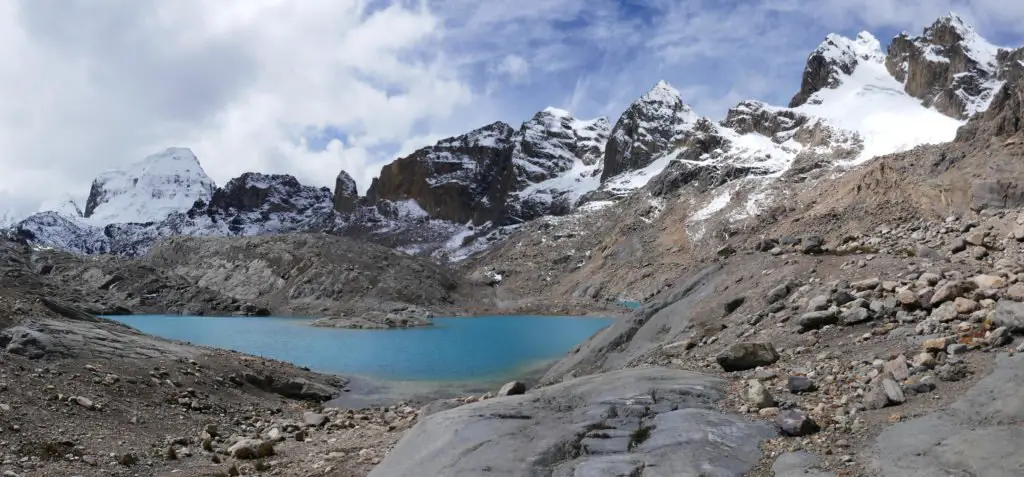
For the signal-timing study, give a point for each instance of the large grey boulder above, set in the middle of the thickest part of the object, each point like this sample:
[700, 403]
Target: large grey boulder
[657, 421]
[980, 434]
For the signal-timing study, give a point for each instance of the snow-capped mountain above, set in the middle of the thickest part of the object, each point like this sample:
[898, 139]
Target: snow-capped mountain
[66, 205]
[856, 101]
[149, 190]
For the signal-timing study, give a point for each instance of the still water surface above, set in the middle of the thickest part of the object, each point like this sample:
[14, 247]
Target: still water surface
[455, 349]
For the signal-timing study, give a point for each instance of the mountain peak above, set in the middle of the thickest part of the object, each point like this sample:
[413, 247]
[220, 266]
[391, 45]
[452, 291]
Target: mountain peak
[949, 67]
[835, 58]
[149, 190]
[662, 92]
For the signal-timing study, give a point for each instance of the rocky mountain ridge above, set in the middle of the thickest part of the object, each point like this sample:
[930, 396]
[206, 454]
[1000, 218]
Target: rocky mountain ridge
[462, 194]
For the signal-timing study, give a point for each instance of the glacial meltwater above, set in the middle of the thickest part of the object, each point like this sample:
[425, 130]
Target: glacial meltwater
[482, 348]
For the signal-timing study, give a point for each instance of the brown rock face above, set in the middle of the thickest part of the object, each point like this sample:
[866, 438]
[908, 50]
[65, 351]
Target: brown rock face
[948, 67]
[346, 194]
[460, 179]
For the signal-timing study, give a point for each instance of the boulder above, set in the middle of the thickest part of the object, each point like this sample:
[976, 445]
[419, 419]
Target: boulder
[247, 449]
[1011, 315]
[796, 423]
[513, 388]
[817, 319]
[758, 396]
[747, 355]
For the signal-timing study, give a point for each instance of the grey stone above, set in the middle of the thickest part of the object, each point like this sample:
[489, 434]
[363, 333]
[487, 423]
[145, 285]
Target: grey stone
[999, 337]
[758, 396]
[1009, 314]
[898, 368]
[817, 319]
[749, 355]
[855, 316]
[867, 284]
[893, 391]
[796, 423]
[734, 304]
[246, 449]
[952, 372]
[959, 245]
[842, 297]
[800, 384]
[876, 398]
[818, 303]
[949, 291]
[812, 244]
[540, 433]
[312, 419]
[919, 386]
[979, 434]
[513, 388]
[778, 293]
[957, 349]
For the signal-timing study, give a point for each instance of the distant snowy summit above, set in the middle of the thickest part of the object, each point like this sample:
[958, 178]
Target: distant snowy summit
[856, 100]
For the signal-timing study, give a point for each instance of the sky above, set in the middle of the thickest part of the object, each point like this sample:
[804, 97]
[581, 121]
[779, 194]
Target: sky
[311, 87]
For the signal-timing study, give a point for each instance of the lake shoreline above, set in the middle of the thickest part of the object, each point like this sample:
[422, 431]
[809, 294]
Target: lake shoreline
[398, 365]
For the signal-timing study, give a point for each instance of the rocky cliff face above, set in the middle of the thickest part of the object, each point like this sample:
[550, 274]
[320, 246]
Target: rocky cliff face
[949, 67]
[461, 179]
[649, 127]
[346, 194]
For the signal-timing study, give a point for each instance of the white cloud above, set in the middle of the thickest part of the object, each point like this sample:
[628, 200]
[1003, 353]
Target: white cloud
[514, 67]
[94, 84]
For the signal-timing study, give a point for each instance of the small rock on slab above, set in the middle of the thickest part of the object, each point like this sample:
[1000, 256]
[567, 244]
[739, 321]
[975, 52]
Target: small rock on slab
[749, 355]
[893, 391]
[758, 396]
[313, 419]
[246, 449]
[734, 304]
[855, 316]
[796, 423]
[800, 384]
[817, 319]
[898, 368]
[513, 388]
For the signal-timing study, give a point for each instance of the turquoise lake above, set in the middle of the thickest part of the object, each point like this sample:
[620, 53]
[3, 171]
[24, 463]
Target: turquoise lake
[454, 349]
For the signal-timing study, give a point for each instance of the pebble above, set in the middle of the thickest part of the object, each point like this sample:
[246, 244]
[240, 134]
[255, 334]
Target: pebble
[893, 391]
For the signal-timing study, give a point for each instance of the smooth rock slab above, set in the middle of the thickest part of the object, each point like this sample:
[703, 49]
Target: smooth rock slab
[798, 464]
[979, 435]
[539, 433]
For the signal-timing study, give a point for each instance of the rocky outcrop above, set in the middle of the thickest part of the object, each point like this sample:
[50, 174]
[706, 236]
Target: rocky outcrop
[648, 128]
[949, 67]
[835, 58]
[603, 425]
[460, 179]
[346, 194]
[755, 116]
